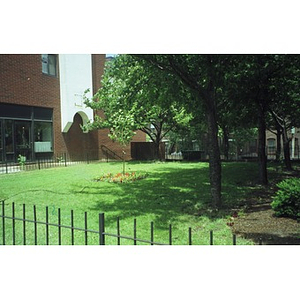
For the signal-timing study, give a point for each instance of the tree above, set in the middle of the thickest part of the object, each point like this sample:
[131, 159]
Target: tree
[121, 127]
[204, 75]
[284, 106]
[134, 93]
[257, 71]
[270, 82]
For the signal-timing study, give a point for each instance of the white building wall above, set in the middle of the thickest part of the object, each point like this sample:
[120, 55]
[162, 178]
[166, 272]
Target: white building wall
[75, 72]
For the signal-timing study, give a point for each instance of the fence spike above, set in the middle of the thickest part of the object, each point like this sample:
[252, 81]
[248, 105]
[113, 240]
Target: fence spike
[101, 229]
[24, 225]
[59, 228]
[85, 228]
[190, 236]
[72, 227]
[134, 231]
[47, 225]
[13, 223]
[211, 238]
[152, 233]
[35, 225]
[118, 230]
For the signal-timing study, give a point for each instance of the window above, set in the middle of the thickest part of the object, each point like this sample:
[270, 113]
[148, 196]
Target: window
[49, 64]
[25, 130]
[15, 111]
[42, 137]
[271, 146]
[40, 113]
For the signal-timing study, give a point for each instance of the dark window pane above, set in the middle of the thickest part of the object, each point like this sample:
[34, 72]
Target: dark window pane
[15, 111]
[8, 136]
[23, 139]
[40, 113]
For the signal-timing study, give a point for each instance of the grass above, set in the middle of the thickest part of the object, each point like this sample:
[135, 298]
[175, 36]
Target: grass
[172, 193]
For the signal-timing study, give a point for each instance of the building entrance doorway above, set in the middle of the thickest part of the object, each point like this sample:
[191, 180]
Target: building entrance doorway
[16, 139]
[23, 139]
[26, 131]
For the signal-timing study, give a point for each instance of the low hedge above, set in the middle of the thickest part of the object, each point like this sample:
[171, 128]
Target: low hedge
[286, 202]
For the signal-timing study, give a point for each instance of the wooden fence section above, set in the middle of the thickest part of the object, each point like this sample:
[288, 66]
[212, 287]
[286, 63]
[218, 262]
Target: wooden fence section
[22, 230]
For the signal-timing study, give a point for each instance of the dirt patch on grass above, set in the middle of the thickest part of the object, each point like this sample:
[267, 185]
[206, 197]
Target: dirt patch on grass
[259, 223]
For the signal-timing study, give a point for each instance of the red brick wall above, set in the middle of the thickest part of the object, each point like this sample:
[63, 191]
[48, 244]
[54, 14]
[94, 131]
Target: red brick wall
[80, 146]
[22, 82]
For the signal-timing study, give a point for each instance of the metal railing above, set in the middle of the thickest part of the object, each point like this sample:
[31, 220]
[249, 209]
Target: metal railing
[58, 160]
[110, 154]
[101, 233]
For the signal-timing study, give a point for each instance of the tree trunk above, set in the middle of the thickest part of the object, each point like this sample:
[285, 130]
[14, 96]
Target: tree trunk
[262, 158]
[286, 149]
[278, 142]
[226, 142]
[157, 140]
[157, 153]
[214, 151]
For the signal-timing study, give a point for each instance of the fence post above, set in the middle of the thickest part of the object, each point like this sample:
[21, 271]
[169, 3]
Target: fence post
[85, 228]
[6, 167]
[211, 238]
[13, 223]
[3, 222]
[170, 234]
[101, 229]
[118, 230]
[35, 224]
[134, 231]
[47, 226]
[72, 225]
[59, 228]
[234, 239]
[65, 157]
[190, 236]
[152, 233]
[24, 225]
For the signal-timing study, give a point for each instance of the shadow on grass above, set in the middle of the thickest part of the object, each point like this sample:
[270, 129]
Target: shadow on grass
[170, 193]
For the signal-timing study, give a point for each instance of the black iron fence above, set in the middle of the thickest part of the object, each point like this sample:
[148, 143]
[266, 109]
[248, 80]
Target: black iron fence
[63, 159]
[18, 235]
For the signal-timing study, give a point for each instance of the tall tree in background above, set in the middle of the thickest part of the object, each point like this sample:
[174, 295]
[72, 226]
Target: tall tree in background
[285, 101]
[257, 72]
[203, 75]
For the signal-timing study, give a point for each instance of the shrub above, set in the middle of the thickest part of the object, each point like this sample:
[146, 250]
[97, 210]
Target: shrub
[21, 160]
[286, 202]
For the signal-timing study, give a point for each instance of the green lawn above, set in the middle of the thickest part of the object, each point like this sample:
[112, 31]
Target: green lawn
[174, 193]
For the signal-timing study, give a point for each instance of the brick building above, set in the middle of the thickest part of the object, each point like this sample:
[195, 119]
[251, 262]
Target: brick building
[41, 107]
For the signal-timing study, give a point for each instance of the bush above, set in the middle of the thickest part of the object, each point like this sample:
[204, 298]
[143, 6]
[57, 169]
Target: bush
[286, 202]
